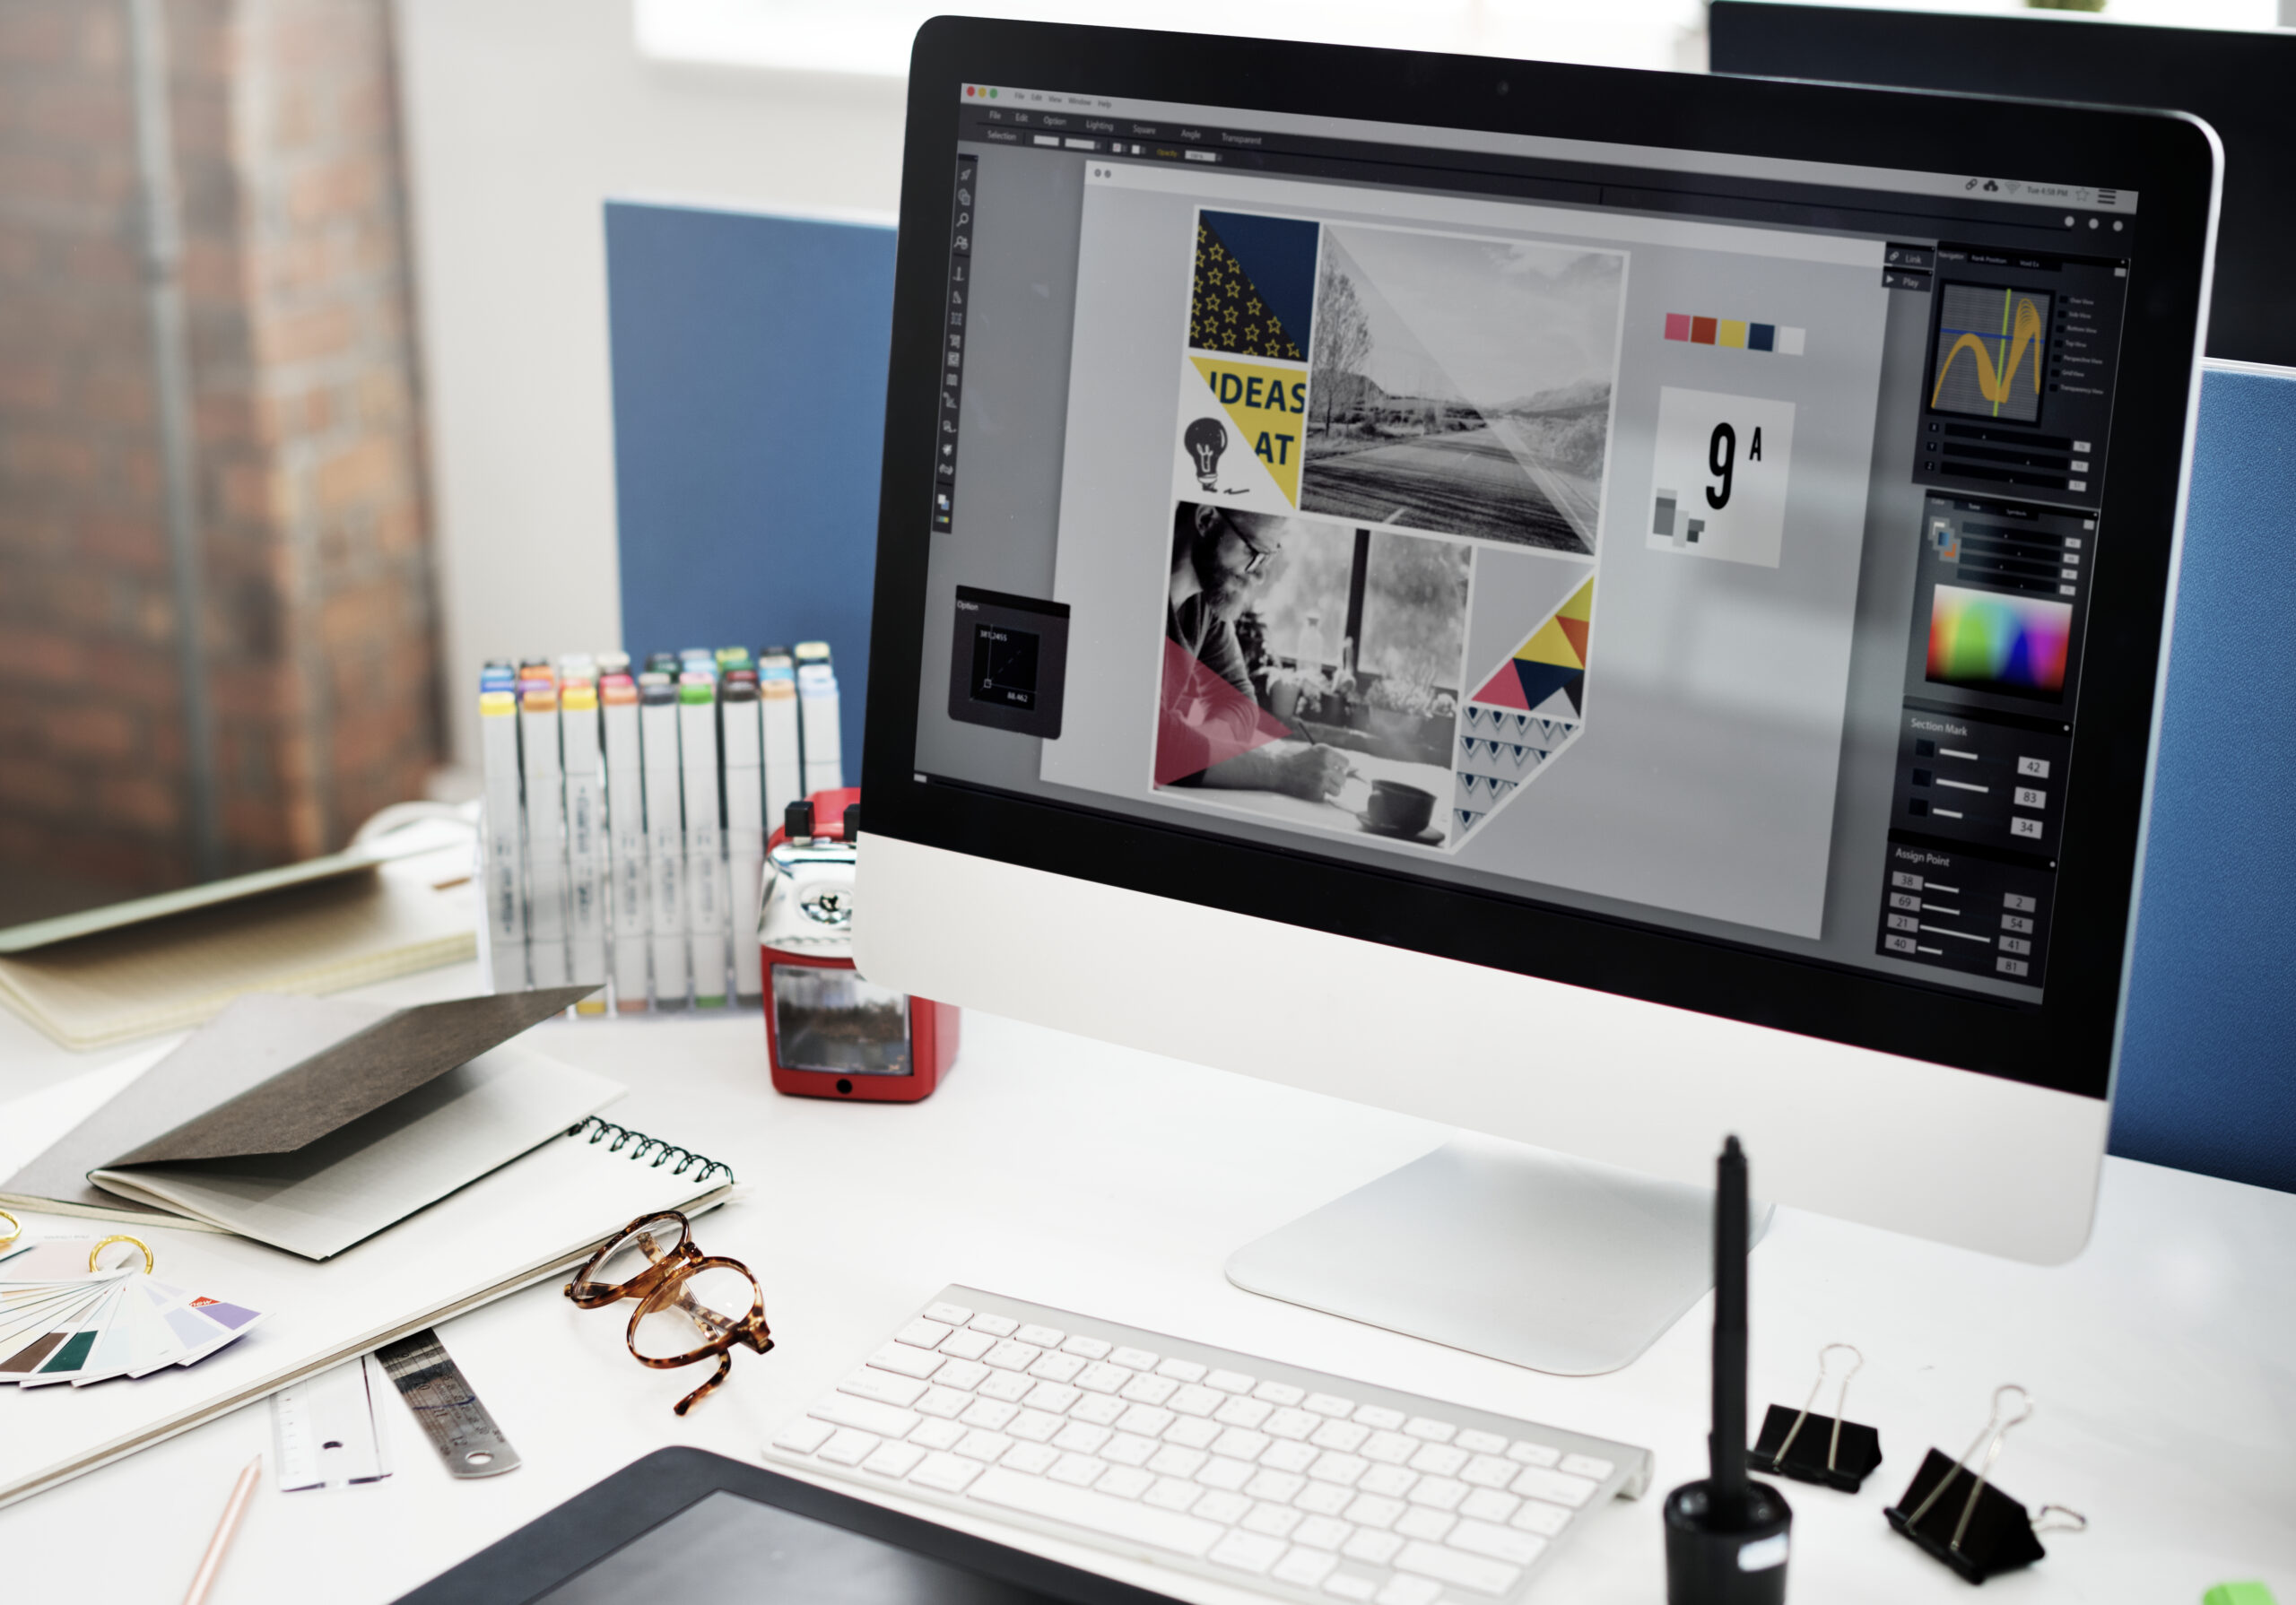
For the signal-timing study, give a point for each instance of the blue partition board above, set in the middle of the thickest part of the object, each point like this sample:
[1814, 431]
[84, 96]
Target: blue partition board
[749, 401]
[2208, 1061]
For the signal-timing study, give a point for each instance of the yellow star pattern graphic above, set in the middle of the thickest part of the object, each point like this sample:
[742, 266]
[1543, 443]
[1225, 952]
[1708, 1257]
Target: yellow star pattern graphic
[1227, 313]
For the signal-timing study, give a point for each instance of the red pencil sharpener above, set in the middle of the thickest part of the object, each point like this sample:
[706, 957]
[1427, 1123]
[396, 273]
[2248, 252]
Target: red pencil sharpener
[827, 1032]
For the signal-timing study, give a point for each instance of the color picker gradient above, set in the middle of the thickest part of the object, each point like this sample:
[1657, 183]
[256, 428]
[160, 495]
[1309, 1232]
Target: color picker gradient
[1988, 641]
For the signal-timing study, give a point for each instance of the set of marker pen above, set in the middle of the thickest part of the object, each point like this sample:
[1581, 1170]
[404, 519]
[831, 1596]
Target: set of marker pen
[625, 816]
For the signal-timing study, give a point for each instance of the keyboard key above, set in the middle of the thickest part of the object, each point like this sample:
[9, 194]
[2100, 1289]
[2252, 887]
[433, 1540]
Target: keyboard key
[1178, 1369]
[1171, 1492]
[1011, 1386]
[948, 1315]
[1346, 1469]
[1346, 1436]
[1250, 1552]
[939, 1434]
[1242, 1412]
[1091, 1349]
[1499, 1543]
[1379, 1417]
[1322, 1532]
[1241, 1445]
[1056, 1367]
[923, 1334]
[1440, 1460]
[1303, 1565]
[1370, 1510]
[1081, 1437]
[1102, 1410]
[1276, 1521]
[1090, 1509]
[1282, 1393]
[843, 1410]
[1012, 1355]
[1538, 1516]
[1488, 1504]
[1324, 1499]
[1125, 1482]
[1053, 1398]
[1372, 1548]
[1428, 1427]
[1392, 1481]
[1290, 1422]
[1195, 1399]
[1221, 1472]
[1034, 1426]
[1043, 1337]
[1329, 1404]
[1128, 1449]
[1421, 1523]
[901, 1358]
[1099, 1376]
[987, 1447]
[1587, 1465]
[893, 1460]
[1391, 1448]
[1146, 1421]
[989, 1413]
[1193, 1432]
[1476, 1441]
[883, 1386]
[1533, 1455]
[1556, 1487]
[1466, 1571]
[1489, 1470]
[1079, 1471]
[1275, 1484]
[945, 1402]
[1172, 1461]
[968, 1345]
[1145, 1389]
[1349, 1586]
[945, 1472]
[1408, 1591]
[1133, 1359]
[804, 1435]
[967, 1375]
[996, 1326]
[1033, 1459]
[1283, 1457]
[1229, 1381]
[1438, 1493]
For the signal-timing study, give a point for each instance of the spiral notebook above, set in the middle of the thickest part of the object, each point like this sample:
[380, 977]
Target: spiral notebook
[540, 1215]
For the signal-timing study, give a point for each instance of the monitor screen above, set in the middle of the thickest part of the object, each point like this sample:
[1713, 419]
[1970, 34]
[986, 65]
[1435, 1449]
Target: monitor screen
[1697, 541]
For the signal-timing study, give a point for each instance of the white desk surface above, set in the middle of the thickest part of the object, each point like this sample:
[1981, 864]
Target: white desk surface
[1092, 1178]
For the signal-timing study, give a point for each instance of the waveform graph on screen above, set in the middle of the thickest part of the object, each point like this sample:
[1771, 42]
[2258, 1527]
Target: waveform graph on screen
[1992, 351]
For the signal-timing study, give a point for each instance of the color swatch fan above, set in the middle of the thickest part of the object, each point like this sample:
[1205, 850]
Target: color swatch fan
[67, 1315]
[1529, 709]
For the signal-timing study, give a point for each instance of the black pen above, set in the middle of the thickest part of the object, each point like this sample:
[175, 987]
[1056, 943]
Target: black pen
[1726, 1446]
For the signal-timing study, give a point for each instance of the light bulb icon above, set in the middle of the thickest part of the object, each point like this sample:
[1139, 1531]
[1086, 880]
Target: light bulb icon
[1206, 439]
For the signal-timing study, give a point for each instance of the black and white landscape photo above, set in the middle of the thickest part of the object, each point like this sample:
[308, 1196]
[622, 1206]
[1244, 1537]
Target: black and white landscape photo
[1463, 384]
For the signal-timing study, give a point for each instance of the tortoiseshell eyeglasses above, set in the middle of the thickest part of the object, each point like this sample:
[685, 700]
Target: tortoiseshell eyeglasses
[690, 1305]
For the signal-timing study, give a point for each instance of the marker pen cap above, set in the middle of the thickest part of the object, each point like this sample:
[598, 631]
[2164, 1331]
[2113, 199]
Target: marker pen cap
[739, 690]
[747, 677]
[613, 662]
[653, 677]
[693, 691]
[732, 658]
[494, 704]
[535, 668]
[812, 651]
[618, 690]
[661, 663]
[539, 699]
[580, 698]
[656, 691]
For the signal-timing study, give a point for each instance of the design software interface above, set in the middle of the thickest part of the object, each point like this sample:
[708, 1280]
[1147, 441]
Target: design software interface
[1680, 538]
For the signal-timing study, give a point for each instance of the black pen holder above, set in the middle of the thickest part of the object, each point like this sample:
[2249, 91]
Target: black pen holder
[1744, 1565]
[1854, 1457]
[1999, 1536]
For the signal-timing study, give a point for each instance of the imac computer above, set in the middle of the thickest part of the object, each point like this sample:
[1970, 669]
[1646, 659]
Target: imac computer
[2238, 80]
[1603, 608]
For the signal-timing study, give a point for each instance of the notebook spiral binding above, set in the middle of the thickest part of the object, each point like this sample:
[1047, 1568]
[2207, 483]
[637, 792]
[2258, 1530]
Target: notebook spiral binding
[618, 1137]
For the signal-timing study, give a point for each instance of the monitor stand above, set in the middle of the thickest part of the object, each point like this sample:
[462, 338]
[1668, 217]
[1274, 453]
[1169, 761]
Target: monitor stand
[1518, 1253]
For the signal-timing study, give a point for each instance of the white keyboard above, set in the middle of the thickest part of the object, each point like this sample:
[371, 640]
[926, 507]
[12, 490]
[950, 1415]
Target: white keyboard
[1301, 1485]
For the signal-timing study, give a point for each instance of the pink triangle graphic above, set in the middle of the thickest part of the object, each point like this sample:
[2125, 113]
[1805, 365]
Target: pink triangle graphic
[1504, 688]
[1202, 720]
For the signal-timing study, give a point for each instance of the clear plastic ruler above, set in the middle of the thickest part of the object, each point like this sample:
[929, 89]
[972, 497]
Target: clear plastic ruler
[327, 1430]
[448, 1411]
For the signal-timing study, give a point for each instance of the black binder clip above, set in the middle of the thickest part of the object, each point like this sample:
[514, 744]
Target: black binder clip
[1982, 1532]
[1838, 1453]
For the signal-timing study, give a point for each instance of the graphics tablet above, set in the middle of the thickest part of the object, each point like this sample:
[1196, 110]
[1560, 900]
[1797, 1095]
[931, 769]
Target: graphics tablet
[684, 1524]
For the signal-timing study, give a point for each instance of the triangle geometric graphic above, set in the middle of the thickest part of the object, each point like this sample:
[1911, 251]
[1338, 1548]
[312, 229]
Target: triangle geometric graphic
[1254, 289]
[1530, 708]
[1504, 689]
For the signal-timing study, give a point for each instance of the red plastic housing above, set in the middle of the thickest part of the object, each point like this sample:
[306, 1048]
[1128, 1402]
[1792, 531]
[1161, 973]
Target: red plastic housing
[932, 1027]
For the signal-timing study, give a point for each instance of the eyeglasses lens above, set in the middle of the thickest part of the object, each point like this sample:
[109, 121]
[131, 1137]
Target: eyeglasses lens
[694, 1312]
[639, 1251]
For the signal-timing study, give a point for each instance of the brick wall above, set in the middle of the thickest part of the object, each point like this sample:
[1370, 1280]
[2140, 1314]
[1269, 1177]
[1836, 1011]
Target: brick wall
[320, 616]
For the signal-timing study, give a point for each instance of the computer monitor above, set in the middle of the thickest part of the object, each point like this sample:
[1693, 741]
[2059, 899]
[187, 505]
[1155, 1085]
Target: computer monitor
[1603, 609]
[2237, 80]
